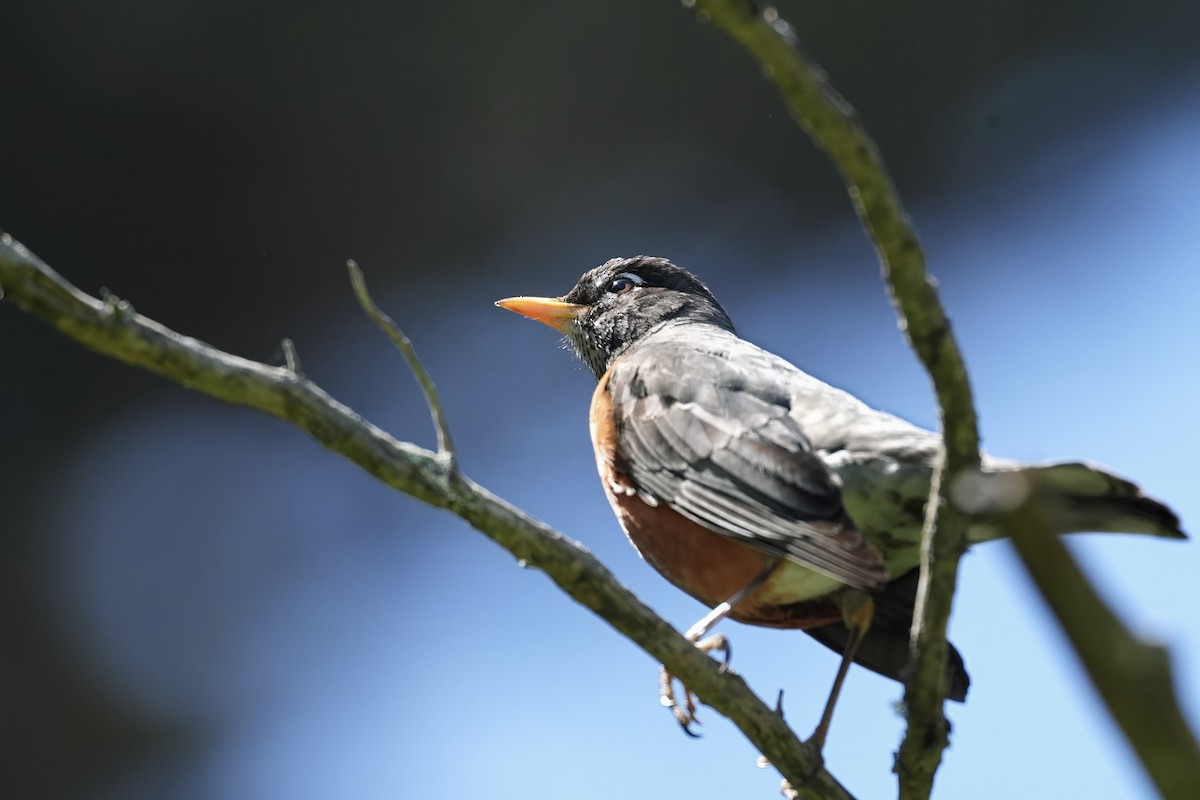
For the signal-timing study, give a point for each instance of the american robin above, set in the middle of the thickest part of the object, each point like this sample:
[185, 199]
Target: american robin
[769, 496]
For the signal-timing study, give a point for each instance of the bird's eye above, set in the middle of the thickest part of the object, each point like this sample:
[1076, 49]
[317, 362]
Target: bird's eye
[624, 282]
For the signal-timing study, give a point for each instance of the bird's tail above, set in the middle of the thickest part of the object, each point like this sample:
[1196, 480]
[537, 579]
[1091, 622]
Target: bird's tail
[1074, 496]
[1077, 496]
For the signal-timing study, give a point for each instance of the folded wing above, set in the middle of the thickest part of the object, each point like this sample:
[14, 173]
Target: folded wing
[712, 439]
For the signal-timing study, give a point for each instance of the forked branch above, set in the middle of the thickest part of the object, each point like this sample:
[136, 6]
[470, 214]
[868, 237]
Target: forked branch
[833, 126]
[113, 328]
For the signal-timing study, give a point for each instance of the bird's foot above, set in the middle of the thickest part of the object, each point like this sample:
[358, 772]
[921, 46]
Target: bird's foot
[718, 642]
[816, 742]
[685, 713]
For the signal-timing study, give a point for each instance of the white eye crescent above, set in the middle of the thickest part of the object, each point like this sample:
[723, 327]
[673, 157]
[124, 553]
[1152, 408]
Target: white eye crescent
[624, 282]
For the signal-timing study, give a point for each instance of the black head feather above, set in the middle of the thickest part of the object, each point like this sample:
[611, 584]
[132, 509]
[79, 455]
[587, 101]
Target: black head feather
[627, 298]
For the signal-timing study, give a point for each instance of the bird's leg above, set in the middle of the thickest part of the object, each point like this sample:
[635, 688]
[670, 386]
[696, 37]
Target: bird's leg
[857, 610]
[719, 642]
[686, 715]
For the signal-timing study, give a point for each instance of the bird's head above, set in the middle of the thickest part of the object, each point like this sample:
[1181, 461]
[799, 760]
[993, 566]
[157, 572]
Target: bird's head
[618, 303]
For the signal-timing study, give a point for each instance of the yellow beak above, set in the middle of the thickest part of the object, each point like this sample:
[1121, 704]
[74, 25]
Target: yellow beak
[546, 310]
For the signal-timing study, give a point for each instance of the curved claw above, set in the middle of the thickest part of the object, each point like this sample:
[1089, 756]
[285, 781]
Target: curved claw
[686, 724]
[685, 715]
[720, 643]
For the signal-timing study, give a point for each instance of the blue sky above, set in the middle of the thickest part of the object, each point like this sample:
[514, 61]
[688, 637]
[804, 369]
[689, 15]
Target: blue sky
[336, 639]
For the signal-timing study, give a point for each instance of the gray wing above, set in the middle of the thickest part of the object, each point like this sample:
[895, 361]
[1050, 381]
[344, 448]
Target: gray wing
[709, 433]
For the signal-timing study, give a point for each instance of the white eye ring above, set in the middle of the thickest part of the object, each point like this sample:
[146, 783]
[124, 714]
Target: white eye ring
[624, 282]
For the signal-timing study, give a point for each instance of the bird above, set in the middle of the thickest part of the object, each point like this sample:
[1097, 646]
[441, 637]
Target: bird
[768, 495]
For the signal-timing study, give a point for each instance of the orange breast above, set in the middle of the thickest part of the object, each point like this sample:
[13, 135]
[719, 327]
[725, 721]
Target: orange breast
[708, 566]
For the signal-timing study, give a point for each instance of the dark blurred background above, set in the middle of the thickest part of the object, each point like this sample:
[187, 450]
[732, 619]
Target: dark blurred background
[199, 602]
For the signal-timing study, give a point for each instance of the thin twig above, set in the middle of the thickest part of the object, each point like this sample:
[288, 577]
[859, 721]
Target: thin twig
[127, 336]
[291, 358]
[388, 326]
[833, 126]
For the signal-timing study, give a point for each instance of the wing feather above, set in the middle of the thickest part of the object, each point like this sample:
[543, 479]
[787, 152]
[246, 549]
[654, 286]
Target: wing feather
[709, 433]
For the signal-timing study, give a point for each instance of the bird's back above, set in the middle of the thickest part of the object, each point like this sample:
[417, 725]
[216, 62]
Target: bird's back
[884, 463]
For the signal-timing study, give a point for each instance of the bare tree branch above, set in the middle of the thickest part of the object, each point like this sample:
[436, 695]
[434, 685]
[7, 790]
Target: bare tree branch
[113, 328]
[1132, 676]
[833, 126]
[388, 326]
